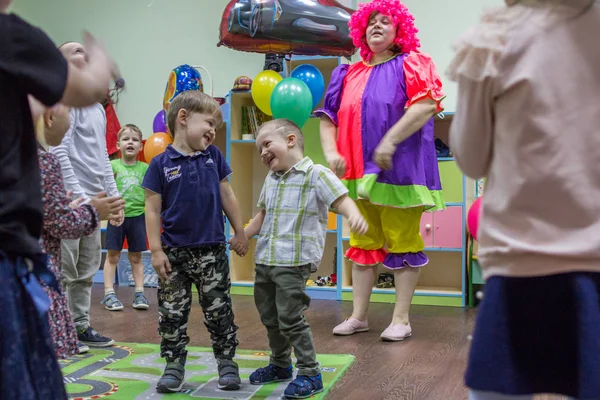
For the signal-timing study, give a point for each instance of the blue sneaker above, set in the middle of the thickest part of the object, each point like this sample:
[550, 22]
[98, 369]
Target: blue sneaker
[111, 302]
[303, 387]
[140, 302]
[271, 374]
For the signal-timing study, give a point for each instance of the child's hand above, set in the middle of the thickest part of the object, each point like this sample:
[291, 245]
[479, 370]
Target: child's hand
[75, 203]
[107, 205]
[97, 52]
[357, 223]
[239, 243]
[118, 219]
[161, 264]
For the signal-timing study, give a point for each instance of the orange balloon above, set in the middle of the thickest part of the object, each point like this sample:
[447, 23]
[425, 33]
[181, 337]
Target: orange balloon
[156, 144]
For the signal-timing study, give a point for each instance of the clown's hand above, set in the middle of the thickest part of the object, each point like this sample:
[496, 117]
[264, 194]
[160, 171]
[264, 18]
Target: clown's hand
[383, 154]
[337, 163]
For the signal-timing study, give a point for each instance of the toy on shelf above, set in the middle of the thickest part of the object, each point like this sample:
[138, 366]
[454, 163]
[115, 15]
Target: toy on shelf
[330, 280]
[385, 281]
[241, 83]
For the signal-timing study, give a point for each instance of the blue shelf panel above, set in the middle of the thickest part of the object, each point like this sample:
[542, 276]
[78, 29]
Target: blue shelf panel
[445, 159]
[461, 204]
[242, 284]
[243, 141]
[417, 292]
[447, 250]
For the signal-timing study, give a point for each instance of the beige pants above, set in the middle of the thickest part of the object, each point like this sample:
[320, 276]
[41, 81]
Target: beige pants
[80, 261]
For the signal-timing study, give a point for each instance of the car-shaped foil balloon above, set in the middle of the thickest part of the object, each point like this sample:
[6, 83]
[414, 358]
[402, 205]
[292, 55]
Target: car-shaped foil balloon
[307, 27]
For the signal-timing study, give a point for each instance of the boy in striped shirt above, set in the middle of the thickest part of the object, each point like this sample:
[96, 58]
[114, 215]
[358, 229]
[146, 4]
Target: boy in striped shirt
[292, 225]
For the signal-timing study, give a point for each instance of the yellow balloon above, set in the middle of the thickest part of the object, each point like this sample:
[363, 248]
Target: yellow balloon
[262, 87]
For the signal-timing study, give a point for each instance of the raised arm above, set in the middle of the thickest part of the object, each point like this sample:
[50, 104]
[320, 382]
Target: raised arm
[89, 85]
[62, 153]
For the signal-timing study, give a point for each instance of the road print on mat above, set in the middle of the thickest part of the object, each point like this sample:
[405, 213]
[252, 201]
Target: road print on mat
[130, 371]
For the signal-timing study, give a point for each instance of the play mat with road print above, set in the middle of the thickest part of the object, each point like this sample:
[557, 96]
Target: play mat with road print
[130, 371]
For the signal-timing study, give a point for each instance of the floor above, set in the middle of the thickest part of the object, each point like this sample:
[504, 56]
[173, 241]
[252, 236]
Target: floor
[429, 365]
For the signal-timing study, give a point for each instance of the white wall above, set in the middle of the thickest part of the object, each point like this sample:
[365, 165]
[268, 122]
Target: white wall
[150, 37]
[147, 38]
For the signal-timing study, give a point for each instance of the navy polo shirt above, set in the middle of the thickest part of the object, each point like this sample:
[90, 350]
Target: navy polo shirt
[191, 212]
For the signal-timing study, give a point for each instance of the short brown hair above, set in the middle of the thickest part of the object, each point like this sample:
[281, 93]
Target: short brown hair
[193, 101]
[284, 126]
[131, 127]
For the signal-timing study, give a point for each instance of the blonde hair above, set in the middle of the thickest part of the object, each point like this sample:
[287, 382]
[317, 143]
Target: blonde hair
[284, 127]
[130, 127]
[193, 101]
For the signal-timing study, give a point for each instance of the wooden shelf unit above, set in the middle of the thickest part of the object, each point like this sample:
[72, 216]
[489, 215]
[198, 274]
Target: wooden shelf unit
[442, 281]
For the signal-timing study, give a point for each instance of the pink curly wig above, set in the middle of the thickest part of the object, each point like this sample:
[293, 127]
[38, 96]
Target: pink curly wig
[406, 34]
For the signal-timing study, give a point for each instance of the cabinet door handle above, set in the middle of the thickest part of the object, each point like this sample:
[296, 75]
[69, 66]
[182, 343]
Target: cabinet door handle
[428, 227]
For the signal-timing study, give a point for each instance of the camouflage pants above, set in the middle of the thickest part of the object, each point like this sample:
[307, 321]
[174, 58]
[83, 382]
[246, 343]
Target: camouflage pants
[208, 268]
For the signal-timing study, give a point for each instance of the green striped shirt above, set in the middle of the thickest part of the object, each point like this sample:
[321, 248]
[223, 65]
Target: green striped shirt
[296, 205]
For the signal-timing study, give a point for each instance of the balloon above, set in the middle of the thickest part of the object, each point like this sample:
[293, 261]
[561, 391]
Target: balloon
[262, 87]
[181, 78]
[291, 99]
[313, 78]
[304, 27]
[473, 217]
[160, 122]
[156, 144]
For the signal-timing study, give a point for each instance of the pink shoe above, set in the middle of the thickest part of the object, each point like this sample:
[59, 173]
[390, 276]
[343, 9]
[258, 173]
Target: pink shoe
[351, 326]
[396, 333]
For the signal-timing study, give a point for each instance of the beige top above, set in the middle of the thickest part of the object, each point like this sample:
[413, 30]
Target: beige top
[528, 119]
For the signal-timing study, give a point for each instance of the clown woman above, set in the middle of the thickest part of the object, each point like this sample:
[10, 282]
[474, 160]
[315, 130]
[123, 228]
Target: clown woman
[377, 135]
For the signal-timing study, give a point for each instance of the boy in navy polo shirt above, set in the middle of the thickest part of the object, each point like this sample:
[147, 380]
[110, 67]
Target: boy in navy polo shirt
[187, 187]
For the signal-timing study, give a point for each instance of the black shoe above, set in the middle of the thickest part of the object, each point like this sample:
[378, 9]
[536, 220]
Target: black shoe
[90, 337]
[173, 378]
[229, 375]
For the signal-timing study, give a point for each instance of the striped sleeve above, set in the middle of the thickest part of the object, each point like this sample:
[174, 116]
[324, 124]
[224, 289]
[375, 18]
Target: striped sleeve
[329, 187]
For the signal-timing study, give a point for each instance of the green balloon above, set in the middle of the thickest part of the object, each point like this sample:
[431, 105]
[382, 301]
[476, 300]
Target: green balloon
[292, 99]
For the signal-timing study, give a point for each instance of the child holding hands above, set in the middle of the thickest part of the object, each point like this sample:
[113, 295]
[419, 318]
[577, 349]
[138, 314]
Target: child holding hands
[292, 225]
[187, 190]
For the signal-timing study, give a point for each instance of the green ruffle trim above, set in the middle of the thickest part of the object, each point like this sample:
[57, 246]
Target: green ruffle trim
[385, 194]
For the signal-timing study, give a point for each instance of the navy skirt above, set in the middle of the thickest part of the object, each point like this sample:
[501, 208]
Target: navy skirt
[29, 369]
[538, 335]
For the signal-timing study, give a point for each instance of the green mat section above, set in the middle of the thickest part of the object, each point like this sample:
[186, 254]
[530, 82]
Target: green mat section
[130, 371]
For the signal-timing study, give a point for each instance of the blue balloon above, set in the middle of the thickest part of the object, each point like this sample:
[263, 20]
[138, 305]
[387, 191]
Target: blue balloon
[181, 78]
[313, 78]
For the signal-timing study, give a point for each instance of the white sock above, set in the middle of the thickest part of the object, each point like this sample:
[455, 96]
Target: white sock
[139, 289]
[108, 291]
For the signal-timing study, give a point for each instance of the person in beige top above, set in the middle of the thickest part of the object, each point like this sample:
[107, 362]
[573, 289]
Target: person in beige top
[527, 119]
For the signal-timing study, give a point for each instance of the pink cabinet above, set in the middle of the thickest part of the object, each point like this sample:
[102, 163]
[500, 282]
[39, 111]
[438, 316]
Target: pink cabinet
[427, 229]
[443, 229]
